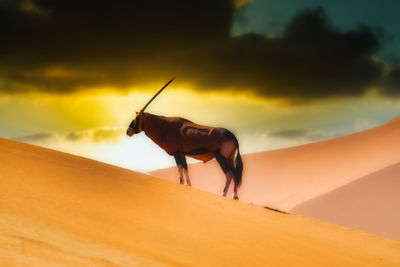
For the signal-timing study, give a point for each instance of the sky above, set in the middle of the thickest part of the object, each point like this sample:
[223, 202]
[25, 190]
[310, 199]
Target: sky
[276, 73]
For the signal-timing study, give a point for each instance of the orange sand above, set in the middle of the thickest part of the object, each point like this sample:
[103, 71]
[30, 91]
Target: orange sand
[59, 209]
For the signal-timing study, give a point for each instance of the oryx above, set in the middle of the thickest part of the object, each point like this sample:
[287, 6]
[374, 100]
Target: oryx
[180, 137]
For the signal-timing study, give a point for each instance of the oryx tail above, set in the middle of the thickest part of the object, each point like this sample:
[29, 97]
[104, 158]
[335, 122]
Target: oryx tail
[238, 168]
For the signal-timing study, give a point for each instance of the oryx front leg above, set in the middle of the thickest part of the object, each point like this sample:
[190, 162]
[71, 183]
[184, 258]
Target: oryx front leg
[185, 170]
[178, 160]
[180, 169]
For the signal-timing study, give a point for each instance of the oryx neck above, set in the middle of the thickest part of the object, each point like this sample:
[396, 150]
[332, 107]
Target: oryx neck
[150, 122]
[154, 126]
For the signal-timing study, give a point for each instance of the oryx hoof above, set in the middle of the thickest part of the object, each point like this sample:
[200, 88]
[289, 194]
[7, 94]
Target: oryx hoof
[236, 198]
[180, 182]
[189, 184]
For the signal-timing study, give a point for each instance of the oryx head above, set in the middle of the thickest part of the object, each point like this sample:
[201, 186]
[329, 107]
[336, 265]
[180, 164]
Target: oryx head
[136, 125]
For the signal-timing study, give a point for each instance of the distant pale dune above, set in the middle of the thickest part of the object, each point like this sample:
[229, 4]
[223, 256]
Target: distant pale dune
[61, 210]
[285, 178]
[371, 204]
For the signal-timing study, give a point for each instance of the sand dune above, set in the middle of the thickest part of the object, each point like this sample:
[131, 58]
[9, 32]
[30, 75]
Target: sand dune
[285, 178]
[371, 204]
[58, 209]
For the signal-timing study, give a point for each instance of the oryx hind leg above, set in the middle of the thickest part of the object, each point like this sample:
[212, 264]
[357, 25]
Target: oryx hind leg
[223, 162]
[228, 149]
[229, 176]
[235, 193]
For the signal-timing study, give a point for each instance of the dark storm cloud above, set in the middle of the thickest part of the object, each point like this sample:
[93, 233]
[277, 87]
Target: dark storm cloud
[392, 86]
[62, 46]
[311, 59]
[104, 42]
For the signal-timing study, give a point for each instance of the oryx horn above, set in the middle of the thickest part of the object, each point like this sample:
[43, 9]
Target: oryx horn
[159, 91]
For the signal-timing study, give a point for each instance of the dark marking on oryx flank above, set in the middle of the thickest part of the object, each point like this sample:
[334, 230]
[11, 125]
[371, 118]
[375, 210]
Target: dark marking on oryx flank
[192, 131]
[198, 152]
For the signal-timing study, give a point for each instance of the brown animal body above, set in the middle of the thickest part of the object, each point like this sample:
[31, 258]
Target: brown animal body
[180, 137]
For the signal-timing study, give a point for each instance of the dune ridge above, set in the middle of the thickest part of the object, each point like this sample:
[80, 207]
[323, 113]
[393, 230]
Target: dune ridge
[59, 209]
